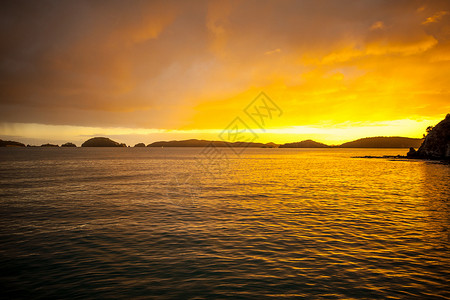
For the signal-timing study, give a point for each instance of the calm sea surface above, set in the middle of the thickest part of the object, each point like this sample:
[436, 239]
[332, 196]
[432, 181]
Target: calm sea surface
[190, 223]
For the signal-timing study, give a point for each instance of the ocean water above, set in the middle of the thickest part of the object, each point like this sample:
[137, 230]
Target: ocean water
[191, 223]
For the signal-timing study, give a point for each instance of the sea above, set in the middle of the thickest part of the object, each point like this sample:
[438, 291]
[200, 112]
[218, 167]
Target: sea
[222, 223]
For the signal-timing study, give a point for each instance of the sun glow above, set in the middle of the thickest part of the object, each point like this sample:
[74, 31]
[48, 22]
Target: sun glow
[326, 133]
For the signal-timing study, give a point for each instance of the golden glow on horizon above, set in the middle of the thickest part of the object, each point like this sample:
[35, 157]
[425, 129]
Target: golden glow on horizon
[326, 133]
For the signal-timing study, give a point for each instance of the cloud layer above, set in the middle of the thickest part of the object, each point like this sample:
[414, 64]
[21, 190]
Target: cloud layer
[196, 64]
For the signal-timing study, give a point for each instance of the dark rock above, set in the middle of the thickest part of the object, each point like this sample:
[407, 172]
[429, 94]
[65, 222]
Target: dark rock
[384, 156]
[101, 142]
[140, 145]
[412, 153]
[437, 143]
[49, 145]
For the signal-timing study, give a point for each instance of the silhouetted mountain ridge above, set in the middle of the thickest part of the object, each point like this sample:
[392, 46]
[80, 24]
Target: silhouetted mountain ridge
[370, 142]
[68, 144]
[383, 142]
[304, 144]
[206, 143]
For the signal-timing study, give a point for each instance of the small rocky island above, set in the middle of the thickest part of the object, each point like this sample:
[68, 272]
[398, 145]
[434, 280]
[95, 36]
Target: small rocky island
[68, 144]
[436, 144]
[101, 142]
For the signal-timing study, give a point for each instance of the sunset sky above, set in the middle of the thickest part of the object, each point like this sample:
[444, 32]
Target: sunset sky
[142, 71]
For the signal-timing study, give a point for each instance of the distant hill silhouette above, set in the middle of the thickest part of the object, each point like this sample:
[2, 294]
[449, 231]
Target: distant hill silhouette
[101, 142]
[205, 143]
[10, 144]
[68, 144]
[383, 142]
[270, 145]
[436, 144]
[304, 144]
[370, 142]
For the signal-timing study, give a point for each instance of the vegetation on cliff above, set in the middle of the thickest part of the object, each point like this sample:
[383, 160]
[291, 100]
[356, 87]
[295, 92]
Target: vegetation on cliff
[436, 144]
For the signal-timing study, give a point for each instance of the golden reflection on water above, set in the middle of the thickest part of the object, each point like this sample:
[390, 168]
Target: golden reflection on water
[391, 195]
[436, 202]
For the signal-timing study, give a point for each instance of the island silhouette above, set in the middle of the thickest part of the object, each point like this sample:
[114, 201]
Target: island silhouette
[102, 142]
[304, 144]
[206, 143]
[370, 142]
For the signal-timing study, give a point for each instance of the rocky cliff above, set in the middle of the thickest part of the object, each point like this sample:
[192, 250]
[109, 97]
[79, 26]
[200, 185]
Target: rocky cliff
[436, 144]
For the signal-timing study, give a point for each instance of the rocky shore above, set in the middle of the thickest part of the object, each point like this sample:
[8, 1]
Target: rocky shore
[436, 144]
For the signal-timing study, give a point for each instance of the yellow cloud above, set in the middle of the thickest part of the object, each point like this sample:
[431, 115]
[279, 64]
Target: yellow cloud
[419, 45]
[342, 55]
[435, 18]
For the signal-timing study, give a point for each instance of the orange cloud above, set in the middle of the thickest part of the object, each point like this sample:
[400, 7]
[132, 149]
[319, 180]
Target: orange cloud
[377, 25]
[435, 18]
[188, 66]
[278, 50]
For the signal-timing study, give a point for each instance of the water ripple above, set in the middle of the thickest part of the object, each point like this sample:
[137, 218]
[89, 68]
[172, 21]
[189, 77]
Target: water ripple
[277, 223]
